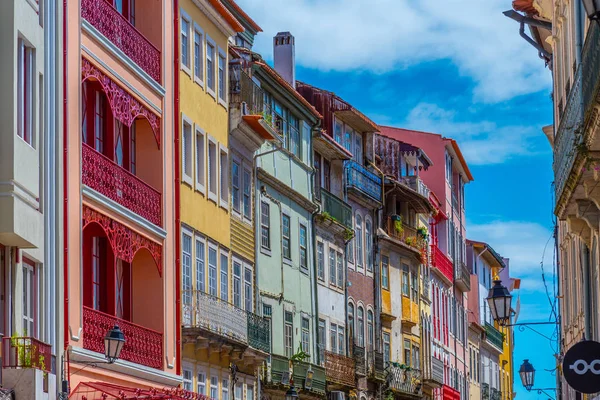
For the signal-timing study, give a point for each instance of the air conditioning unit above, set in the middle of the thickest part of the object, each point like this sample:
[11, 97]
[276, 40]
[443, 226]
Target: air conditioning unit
[337, 395]
[285, 378]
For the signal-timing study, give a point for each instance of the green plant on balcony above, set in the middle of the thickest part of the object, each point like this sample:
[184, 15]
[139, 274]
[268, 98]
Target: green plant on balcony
[26, 353]
[300, 355]
[423, 233]
[397, 219]
[325, 216]
[348, 234]
[411, 241]
[268, 117]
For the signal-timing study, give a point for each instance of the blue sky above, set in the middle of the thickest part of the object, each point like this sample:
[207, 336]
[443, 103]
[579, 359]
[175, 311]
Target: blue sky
[458, 68]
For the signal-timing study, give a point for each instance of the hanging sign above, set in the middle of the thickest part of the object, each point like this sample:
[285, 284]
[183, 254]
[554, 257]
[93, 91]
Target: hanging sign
[581, 367]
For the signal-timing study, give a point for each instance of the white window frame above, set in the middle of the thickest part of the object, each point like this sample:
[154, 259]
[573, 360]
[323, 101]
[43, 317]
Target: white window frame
[305, 331]
[26, 97]
[201, 384]
[222, 97]
[188, 383]
[320, 268]
[223, 253]
[285, 258]
[187, 233]
[214, 375]
[214, 247]
[199, 79]
[240, 278]
[212, 195]
[247, 218]
[202, 240]
[187, 149]
[268, 226]
[236, 207]
[186, 68]
[223, 177]
[332, 265]
[303, 268]
[29, 275]
[225, 389]
[209, 90]
[200, 162]
[248, 267]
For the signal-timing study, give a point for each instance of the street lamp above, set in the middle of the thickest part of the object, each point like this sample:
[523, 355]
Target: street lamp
[499, 299]
[527, 373]
[113, 344]
[592, 9]
[291, 393]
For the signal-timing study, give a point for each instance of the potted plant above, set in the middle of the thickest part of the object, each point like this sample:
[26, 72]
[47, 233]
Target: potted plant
[423, 232]
[397, 221]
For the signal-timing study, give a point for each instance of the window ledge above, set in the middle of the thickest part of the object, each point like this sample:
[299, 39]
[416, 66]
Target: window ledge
[265, 251]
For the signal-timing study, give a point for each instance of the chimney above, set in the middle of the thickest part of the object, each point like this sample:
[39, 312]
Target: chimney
[284, 55]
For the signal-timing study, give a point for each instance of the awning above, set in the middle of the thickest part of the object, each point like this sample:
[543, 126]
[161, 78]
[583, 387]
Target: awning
[109, 391]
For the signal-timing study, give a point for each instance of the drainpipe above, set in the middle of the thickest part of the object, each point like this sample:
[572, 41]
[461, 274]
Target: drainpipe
[558, 317]
[176, 129]
[314, 242]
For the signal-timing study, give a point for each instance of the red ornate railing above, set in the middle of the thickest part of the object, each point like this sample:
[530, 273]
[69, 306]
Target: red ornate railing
[103, 175]
[339, 369]
[142, 345]
[104, 17]
[26, 352]
[442, 262]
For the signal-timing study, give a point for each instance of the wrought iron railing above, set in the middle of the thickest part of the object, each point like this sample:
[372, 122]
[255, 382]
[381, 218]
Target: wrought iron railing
[339, 369]
[360, 360]
[26, 352]
[406, 380]
[142, 345]
[494, 336]
[416, 184]
[463, 276]
[280, 367]
[116, 28]
[259, 332]
[336, 208]
[376, 368]
[100, 173]
[441, 262]
[244, 90]
[495, 394]
[363, 180]
[590, 61]
[485, 391]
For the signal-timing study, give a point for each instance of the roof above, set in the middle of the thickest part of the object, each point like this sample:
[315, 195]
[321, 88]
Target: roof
[250, 21]
[461, 158]
[227, 15]
[525, 6]
[275, 75]
[347, 109]
[491, 250]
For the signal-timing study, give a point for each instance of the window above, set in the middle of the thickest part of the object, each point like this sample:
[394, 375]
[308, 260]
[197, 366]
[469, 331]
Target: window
[235, 185]
[386, 348]
[198, 55]
[239, 393]
[210, 65]
[361, 326]
[358, 148]
[214, 387]
[414, 288]
[187, 379]
[326, 175]
[320, 261]
[305, 335]
[359, 241]
[295, 143]
[200, 257]
[186, 150]
[248, 289]
[267, 311]
[247, 186]
[322, 341]
[448, 167]
[132, 150]
[337, 132]
[318, 172]
[332, 267]
[225, 389]
[224, 164]
[29, 298]
[249, 392]
[186, 266]
[98, 273]
[212, 270]
[333, 337]
[224, 277]
[212, 169]
[351, 319]
[289, 334]
[185, 45]
[25, 81]
[341, 341]
[407, 359]
[405, 280]
[348, 135]
[350, 251]
[200, 160]
[237, 284]
[385, 262]
[222, 77]
[340, 270]
[201, 383]
[369, 245]
[265, 236]
[370, 329]
[285, 236]
[303, 248]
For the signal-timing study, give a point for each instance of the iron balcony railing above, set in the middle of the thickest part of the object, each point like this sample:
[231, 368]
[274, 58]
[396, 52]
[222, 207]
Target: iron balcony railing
[463, 276]
[495, 394]
[339, 369]
[26, 352]
[361, 179]
[244, 90]
[201, 310]
[336, 208]
[485, 391]
[403, 379]
[494, 336]
[416, 184]
[116, 28]
[280, 374]
[590, 61]
[441, 262]
[143, 346]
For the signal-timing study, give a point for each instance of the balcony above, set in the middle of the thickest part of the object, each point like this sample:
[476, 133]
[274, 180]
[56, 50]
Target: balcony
[245, 91]
[280, 375]
[339, 369]
[463, 277]
[435, 374]
[376, 369]
[441, 263]
[207, 315]
[111, 180]
[116, 28]
[410, 312]
[142, 346]
[406, 234]
[26, 352]
[495, 394]
[404, 380]
[360, 360]
[416, 184]
[335, 213]
[364, 185]
[493, 336]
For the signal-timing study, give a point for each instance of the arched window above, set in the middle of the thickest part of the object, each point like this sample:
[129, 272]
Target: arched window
[359, 241]
[369, 244]
[361, 327]
[351, 319]
[370, 329]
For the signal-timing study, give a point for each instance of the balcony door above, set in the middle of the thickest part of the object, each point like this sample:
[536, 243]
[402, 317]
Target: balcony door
[126, 8]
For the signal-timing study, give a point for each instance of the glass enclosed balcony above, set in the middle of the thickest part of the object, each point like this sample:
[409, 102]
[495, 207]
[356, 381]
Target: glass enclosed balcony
[362, 181]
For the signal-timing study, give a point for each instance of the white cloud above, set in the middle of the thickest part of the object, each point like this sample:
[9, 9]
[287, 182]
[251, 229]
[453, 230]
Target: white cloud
[482, 142]
[382, 35]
